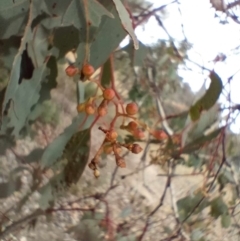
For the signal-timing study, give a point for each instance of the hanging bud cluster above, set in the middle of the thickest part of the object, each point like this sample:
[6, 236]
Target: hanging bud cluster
[109, 146]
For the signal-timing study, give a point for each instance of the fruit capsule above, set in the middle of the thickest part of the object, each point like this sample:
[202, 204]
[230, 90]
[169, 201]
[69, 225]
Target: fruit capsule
[102, 111]
[132, 108]
[96, 173]
[120, 162]
[138, 133]
[92, 166]
[108, 94]
[159, 134]
[132, 125]
[112, 136]
[136, 148]
[87, 70]
[71, 71]
[89, 109]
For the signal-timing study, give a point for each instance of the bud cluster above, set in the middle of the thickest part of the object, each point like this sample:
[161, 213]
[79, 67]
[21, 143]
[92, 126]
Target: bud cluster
[110, 145]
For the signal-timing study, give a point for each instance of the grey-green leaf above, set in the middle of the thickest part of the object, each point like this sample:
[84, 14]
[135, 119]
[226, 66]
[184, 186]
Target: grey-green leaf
[226, 220]
[104, 42]
[13, 17]
[126, 21]
[56, 148]
[209, 98]
[70, 166]
[218, 207]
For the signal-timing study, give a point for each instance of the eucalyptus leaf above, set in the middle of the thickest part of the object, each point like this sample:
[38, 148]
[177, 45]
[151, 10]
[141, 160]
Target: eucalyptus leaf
[24, 98]
[104, 42]
[209, 98]
[70, 165]
[187, 204]
[126, 21]
[218, 207]
[14, 15]
[196, 144]
[56, 148]
[226, 220]
[106, 73]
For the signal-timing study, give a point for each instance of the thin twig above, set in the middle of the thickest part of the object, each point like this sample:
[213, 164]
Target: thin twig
[17, 224]
[147, 223]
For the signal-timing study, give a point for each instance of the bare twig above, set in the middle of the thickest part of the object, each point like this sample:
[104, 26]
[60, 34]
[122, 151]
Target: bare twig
[159, 105]
[147, 223]
[17, 224]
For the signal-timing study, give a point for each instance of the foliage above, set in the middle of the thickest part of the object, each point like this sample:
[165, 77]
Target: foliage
[129, 101]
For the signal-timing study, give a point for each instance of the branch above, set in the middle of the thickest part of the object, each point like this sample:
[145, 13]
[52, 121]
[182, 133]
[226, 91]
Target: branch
[233, 4]
[167, 185]
[146, 16]
[159, 105]
[175, 208]
[11, 228]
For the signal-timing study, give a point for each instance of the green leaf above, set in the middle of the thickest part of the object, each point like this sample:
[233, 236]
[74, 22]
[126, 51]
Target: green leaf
[26, 77]
[126, 21]
[218, 207]
[127, 238]
[96, 11]
[187, 204]
[56, 148]
[137, 56]
[226, 220]
[23, 99]
[16, 66]
[57, 8]
[72, 25]
[71, 165]
[167, 230]
[38, 46]
[196, 144]
[202, 124]
[76, 16]
[126, 212]
[197, 235]
[48, 84]
[66, 39]
[94, 216]
[64, 14]
[163, 60]
[88, 227]
[224, 178]
[50, 191]
[13, 16]
[106, 74]
[76, 152]
[195, 161]
[104, 42]
[208, 99]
